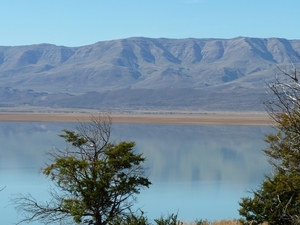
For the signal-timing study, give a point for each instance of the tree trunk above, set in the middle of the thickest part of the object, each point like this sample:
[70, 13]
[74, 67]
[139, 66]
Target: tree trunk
[98, 219]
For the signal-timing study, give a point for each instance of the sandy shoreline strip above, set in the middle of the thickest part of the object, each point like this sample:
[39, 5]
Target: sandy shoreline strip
[204, 119]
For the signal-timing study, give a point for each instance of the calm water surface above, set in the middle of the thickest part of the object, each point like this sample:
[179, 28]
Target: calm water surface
[201, 172]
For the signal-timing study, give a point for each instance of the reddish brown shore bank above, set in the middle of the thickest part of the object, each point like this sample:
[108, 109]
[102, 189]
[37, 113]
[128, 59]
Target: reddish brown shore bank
[209, 119]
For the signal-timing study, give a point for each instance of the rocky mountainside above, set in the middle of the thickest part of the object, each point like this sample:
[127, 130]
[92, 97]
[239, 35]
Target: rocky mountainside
[208, 74]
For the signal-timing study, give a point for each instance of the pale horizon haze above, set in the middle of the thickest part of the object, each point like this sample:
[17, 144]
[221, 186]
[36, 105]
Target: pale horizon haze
[77, 23]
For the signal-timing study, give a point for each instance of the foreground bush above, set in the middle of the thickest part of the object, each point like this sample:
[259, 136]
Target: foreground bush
[277, 200]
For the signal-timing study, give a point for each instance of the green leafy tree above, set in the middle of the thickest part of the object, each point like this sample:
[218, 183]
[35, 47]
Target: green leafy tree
[277, 200]
[95, 180]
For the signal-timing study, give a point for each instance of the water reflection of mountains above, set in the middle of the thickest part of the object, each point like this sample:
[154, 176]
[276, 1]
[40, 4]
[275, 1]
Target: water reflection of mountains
[212, 153]
[174, 152]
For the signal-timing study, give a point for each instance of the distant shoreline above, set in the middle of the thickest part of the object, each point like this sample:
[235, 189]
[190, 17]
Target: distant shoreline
[184, 119]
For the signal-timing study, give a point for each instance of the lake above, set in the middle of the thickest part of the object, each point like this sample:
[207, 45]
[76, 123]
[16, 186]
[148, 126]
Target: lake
[199, 172]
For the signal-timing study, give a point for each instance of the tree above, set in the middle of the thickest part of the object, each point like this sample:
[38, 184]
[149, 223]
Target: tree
[277, 201]
[95, 180]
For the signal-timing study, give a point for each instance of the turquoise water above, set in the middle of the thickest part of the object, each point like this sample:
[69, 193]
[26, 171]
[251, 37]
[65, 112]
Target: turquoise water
[199, 172]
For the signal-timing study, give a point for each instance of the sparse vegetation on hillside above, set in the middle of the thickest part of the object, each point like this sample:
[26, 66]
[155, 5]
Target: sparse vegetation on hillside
[144, 73]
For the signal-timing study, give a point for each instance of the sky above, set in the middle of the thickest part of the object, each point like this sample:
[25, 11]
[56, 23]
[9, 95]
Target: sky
[82, 22]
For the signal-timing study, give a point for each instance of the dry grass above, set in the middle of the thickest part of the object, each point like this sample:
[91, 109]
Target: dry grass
[207, 119]
[220, 222]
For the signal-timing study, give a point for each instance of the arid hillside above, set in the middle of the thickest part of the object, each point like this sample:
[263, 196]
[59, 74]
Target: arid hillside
[145, 73]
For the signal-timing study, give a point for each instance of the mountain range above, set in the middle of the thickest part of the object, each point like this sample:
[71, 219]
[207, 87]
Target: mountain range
[145, 74]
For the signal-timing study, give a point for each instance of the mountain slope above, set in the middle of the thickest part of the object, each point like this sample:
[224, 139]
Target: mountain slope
[128, 67]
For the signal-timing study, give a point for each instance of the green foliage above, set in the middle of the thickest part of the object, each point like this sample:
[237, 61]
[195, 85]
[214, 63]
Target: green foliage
[169, 220]
[101, 184]
[277, 201]
[131, 219]
[141, 219]
[75, 139]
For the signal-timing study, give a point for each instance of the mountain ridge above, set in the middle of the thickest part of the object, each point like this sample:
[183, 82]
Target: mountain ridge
[128, 67]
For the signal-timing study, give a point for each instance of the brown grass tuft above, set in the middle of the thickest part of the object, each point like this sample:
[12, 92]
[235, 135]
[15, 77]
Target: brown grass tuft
[219, 222]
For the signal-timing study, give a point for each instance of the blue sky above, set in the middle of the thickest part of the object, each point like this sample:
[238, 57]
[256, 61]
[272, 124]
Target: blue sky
[83, 22]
